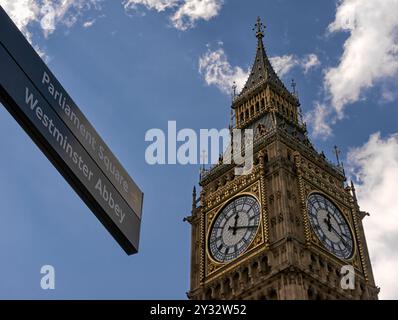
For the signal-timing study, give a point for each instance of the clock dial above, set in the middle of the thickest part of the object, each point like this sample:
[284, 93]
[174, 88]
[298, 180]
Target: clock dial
[234, 229]
[330, 226]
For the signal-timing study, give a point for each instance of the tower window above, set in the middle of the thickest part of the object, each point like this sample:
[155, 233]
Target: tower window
[245, 275]
[273, 295]
[217, 290]
[265, 268]
[254, 267]
[208, 294]
[236, 280]
[227, 287]
[311, 294]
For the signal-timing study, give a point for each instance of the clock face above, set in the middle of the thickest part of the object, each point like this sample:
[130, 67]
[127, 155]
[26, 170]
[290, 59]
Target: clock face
[234, 229]
[330, 226]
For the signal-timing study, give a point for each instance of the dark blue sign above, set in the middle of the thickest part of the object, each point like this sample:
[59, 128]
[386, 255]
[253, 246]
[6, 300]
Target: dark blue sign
[47, 113]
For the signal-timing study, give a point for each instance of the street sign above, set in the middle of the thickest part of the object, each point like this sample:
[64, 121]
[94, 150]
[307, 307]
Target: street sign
[36, 99]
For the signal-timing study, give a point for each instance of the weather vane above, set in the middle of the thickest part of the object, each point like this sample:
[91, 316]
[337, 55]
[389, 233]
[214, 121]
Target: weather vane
[259, 28]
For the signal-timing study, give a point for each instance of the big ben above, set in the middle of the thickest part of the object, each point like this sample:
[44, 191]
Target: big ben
[289, 228]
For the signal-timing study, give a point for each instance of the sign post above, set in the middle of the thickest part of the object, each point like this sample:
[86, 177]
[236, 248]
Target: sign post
[39, 103]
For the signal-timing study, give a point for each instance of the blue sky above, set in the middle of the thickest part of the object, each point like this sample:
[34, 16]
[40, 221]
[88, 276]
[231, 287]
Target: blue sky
[134, 65]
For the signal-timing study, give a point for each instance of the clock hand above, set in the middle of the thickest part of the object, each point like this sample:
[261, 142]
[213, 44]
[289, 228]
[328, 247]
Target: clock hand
[331, 228]
[328, 222]
[235, 224]
[341, 237]
[241, 227]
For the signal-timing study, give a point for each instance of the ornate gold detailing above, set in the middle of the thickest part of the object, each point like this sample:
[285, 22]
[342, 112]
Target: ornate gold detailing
[201, 249]
[230, 189]
[302, 194]
[263, 198]
[212, 266]
[355, 212]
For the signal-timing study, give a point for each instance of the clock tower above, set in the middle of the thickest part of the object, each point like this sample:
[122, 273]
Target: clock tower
[292, 227]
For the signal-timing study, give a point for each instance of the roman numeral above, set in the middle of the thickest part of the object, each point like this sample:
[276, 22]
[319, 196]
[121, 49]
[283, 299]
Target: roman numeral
[215, 240]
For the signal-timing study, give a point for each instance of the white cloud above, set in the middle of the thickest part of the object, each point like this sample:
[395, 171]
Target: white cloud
[216, 70]
[158, 5]
[319, 120]
[370, 55]
[192, 10]
[186, 12]
[48, 14]
[375, 166]
[388, 95]
[370, 52]
[89, 23]
[309, 62]
[283, 64]
[22, 12]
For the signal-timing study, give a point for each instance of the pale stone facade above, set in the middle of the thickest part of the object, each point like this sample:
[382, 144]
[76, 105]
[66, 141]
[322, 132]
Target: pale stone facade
[286, 259]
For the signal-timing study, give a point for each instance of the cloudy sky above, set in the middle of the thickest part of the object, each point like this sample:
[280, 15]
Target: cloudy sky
[133, 65]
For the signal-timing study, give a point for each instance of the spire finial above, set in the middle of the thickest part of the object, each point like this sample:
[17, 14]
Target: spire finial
[294, 86]
[194, 198]
[234, 87]
[354, 194]
[337, 152]
[259, 28]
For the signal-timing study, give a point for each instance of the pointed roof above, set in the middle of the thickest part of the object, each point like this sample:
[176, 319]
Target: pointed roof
[262, 70]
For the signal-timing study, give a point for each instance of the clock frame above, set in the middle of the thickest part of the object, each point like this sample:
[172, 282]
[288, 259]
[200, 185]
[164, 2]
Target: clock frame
[234, 228]
[339, 231]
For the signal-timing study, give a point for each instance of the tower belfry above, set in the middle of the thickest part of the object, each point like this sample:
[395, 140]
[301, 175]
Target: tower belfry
[287, 229]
